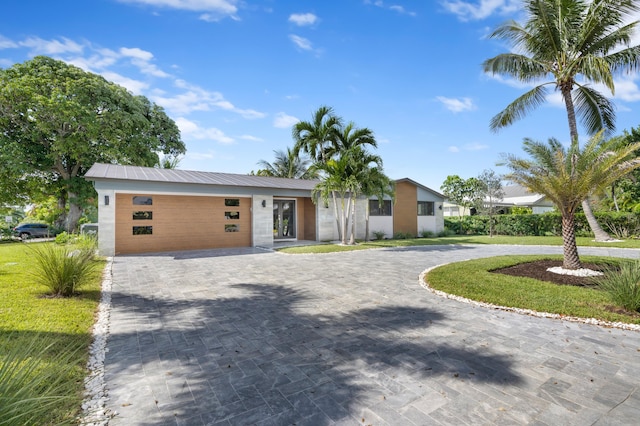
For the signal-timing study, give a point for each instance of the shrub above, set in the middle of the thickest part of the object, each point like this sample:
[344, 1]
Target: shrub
[30, 391]
[63, 238]
[379, 235]
[426, 234]
[623, 285]
[62, 269]
[403, 235]
[446, 233]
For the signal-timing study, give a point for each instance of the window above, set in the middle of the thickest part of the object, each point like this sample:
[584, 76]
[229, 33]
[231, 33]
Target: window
[380, 209]
[142, 200]
[231, 228]
[142, 215]
[232, 215]
[425, 208]
[232, 202]
[142, 230]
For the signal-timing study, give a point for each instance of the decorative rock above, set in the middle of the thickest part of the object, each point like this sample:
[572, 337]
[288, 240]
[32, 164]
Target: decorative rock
[583, 272]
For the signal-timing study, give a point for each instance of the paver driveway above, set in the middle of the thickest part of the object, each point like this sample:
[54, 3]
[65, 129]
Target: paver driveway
[255, 337]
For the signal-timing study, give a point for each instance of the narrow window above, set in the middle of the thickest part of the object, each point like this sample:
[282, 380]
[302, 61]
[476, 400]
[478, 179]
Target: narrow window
[142, 215]
[231, 228]
[425, 208]
[232, 215]
[142, 230]
[232, 202]
[142, 200]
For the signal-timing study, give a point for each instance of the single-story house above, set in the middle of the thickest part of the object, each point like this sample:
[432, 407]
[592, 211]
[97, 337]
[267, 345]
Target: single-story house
[143, 209]
[514, 196]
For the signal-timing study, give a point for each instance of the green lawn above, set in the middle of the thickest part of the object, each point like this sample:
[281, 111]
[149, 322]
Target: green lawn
[472, 279]
[28, 315]
[461, 239]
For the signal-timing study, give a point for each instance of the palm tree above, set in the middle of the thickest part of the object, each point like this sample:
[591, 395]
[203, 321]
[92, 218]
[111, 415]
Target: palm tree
[567, 176]
[315, 138]
[287, 165]
[376, 184]
[571, 42]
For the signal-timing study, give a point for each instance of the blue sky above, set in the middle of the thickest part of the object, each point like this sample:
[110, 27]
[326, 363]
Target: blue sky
[236, 75]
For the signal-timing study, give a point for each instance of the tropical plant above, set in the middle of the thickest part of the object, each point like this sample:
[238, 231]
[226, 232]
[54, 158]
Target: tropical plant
[30, 390]
[567, 176]
[288, 165]
[462, 192]
[63, 269]
[623, 285]
[571, 43]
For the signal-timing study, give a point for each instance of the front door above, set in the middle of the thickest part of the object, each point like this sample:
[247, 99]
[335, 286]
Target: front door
[284, 224]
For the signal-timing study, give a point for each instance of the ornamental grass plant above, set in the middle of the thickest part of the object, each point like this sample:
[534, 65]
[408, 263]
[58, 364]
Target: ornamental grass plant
[64, 269]
[623, 285]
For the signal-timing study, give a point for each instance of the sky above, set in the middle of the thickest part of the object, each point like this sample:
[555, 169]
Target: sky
[236, 75]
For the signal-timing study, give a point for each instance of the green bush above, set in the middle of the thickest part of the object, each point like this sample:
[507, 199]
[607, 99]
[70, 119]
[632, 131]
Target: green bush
[63, 269]
[63, 238]
[379, 235]
[427, 234]
[403, 235]
[30, 391]
[623, 285]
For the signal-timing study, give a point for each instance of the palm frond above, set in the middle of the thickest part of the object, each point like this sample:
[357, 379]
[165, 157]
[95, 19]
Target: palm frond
[519, 108]
[596, 112]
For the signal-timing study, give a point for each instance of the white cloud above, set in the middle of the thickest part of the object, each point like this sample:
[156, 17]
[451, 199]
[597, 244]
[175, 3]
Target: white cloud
[469, 11]
[195, 98]
[225, 7]
[6, 43]
[457, 105]
[283, 121]
[303, 19]
[137, 53]
[251, 138]
[134, 86]
[394, 7]
[301, 42]
[39, 46]
[191, 130]
[475, 146]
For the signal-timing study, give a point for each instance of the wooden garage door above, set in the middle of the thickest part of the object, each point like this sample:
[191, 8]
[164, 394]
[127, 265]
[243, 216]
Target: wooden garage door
[151, 223]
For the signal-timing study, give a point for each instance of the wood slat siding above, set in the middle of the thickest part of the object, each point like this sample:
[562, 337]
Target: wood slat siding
[181, 223]
[405, 210]
[309, 219]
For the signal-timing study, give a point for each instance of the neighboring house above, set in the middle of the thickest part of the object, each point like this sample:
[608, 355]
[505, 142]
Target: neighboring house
[143, 209]
[514, 195]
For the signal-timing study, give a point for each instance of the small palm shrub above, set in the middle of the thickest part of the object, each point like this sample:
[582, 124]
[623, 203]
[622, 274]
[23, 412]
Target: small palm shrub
[30, 391]
[379, 235]
[623, 285]
[63, 269]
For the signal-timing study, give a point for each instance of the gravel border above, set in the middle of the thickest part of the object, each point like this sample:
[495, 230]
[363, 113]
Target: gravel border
[94, 412]
[621, 325]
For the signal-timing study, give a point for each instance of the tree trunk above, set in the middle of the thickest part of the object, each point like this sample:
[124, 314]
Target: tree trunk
[352, 238]
[343, 220]
[366, 221]
[61, 220]
[336, 214]
[73, 216]
[571, 259]
[600, 234]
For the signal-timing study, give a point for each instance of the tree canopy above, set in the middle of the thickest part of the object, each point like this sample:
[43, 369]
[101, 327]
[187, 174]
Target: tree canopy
[57, 120]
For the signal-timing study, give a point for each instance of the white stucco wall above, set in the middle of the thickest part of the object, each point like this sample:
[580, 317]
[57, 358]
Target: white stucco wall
[262, 221]
[433, 223]
[381, 223]
[106, 222]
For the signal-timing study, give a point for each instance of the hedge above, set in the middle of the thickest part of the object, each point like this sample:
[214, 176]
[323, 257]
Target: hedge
[619, 224]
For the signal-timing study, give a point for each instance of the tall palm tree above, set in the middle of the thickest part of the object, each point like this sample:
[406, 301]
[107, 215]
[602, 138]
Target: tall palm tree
[567, 176]
[376, 184]
[316, 138]
[287, 165]
[571, 43]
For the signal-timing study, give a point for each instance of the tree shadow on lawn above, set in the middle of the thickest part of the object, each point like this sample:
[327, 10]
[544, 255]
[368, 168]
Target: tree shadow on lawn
[261, 358]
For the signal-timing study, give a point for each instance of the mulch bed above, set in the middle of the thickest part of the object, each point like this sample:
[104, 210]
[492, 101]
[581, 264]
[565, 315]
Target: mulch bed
[538, 270]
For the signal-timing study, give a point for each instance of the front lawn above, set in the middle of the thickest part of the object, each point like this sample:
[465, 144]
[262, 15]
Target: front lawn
[31, 319]
[457, 239]
[473, 280]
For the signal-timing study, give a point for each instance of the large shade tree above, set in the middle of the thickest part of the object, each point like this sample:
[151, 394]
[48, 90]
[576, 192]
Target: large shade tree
[57, 120]
[567, 176]
[566, 45]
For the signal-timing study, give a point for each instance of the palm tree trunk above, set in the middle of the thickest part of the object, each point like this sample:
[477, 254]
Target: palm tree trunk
[599, 233]
[571, 259]
[352, 238]
[335, 208]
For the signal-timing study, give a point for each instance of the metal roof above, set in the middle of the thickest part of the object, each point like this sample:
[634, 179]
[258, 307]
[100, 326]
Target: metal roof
[101, 171]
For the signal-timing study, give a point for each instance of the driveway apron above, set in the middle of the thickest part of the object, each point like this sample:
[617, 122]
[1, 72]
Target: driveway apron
[250, 336]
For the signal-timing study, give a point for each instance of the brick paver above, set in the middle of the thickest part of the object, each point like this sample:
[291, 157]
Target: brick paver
[240, 337]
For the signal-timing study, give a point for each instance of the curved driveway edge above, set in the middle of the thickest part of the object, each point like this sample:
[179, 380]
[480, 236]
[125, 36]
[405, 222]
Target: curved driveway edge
[252, 337]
